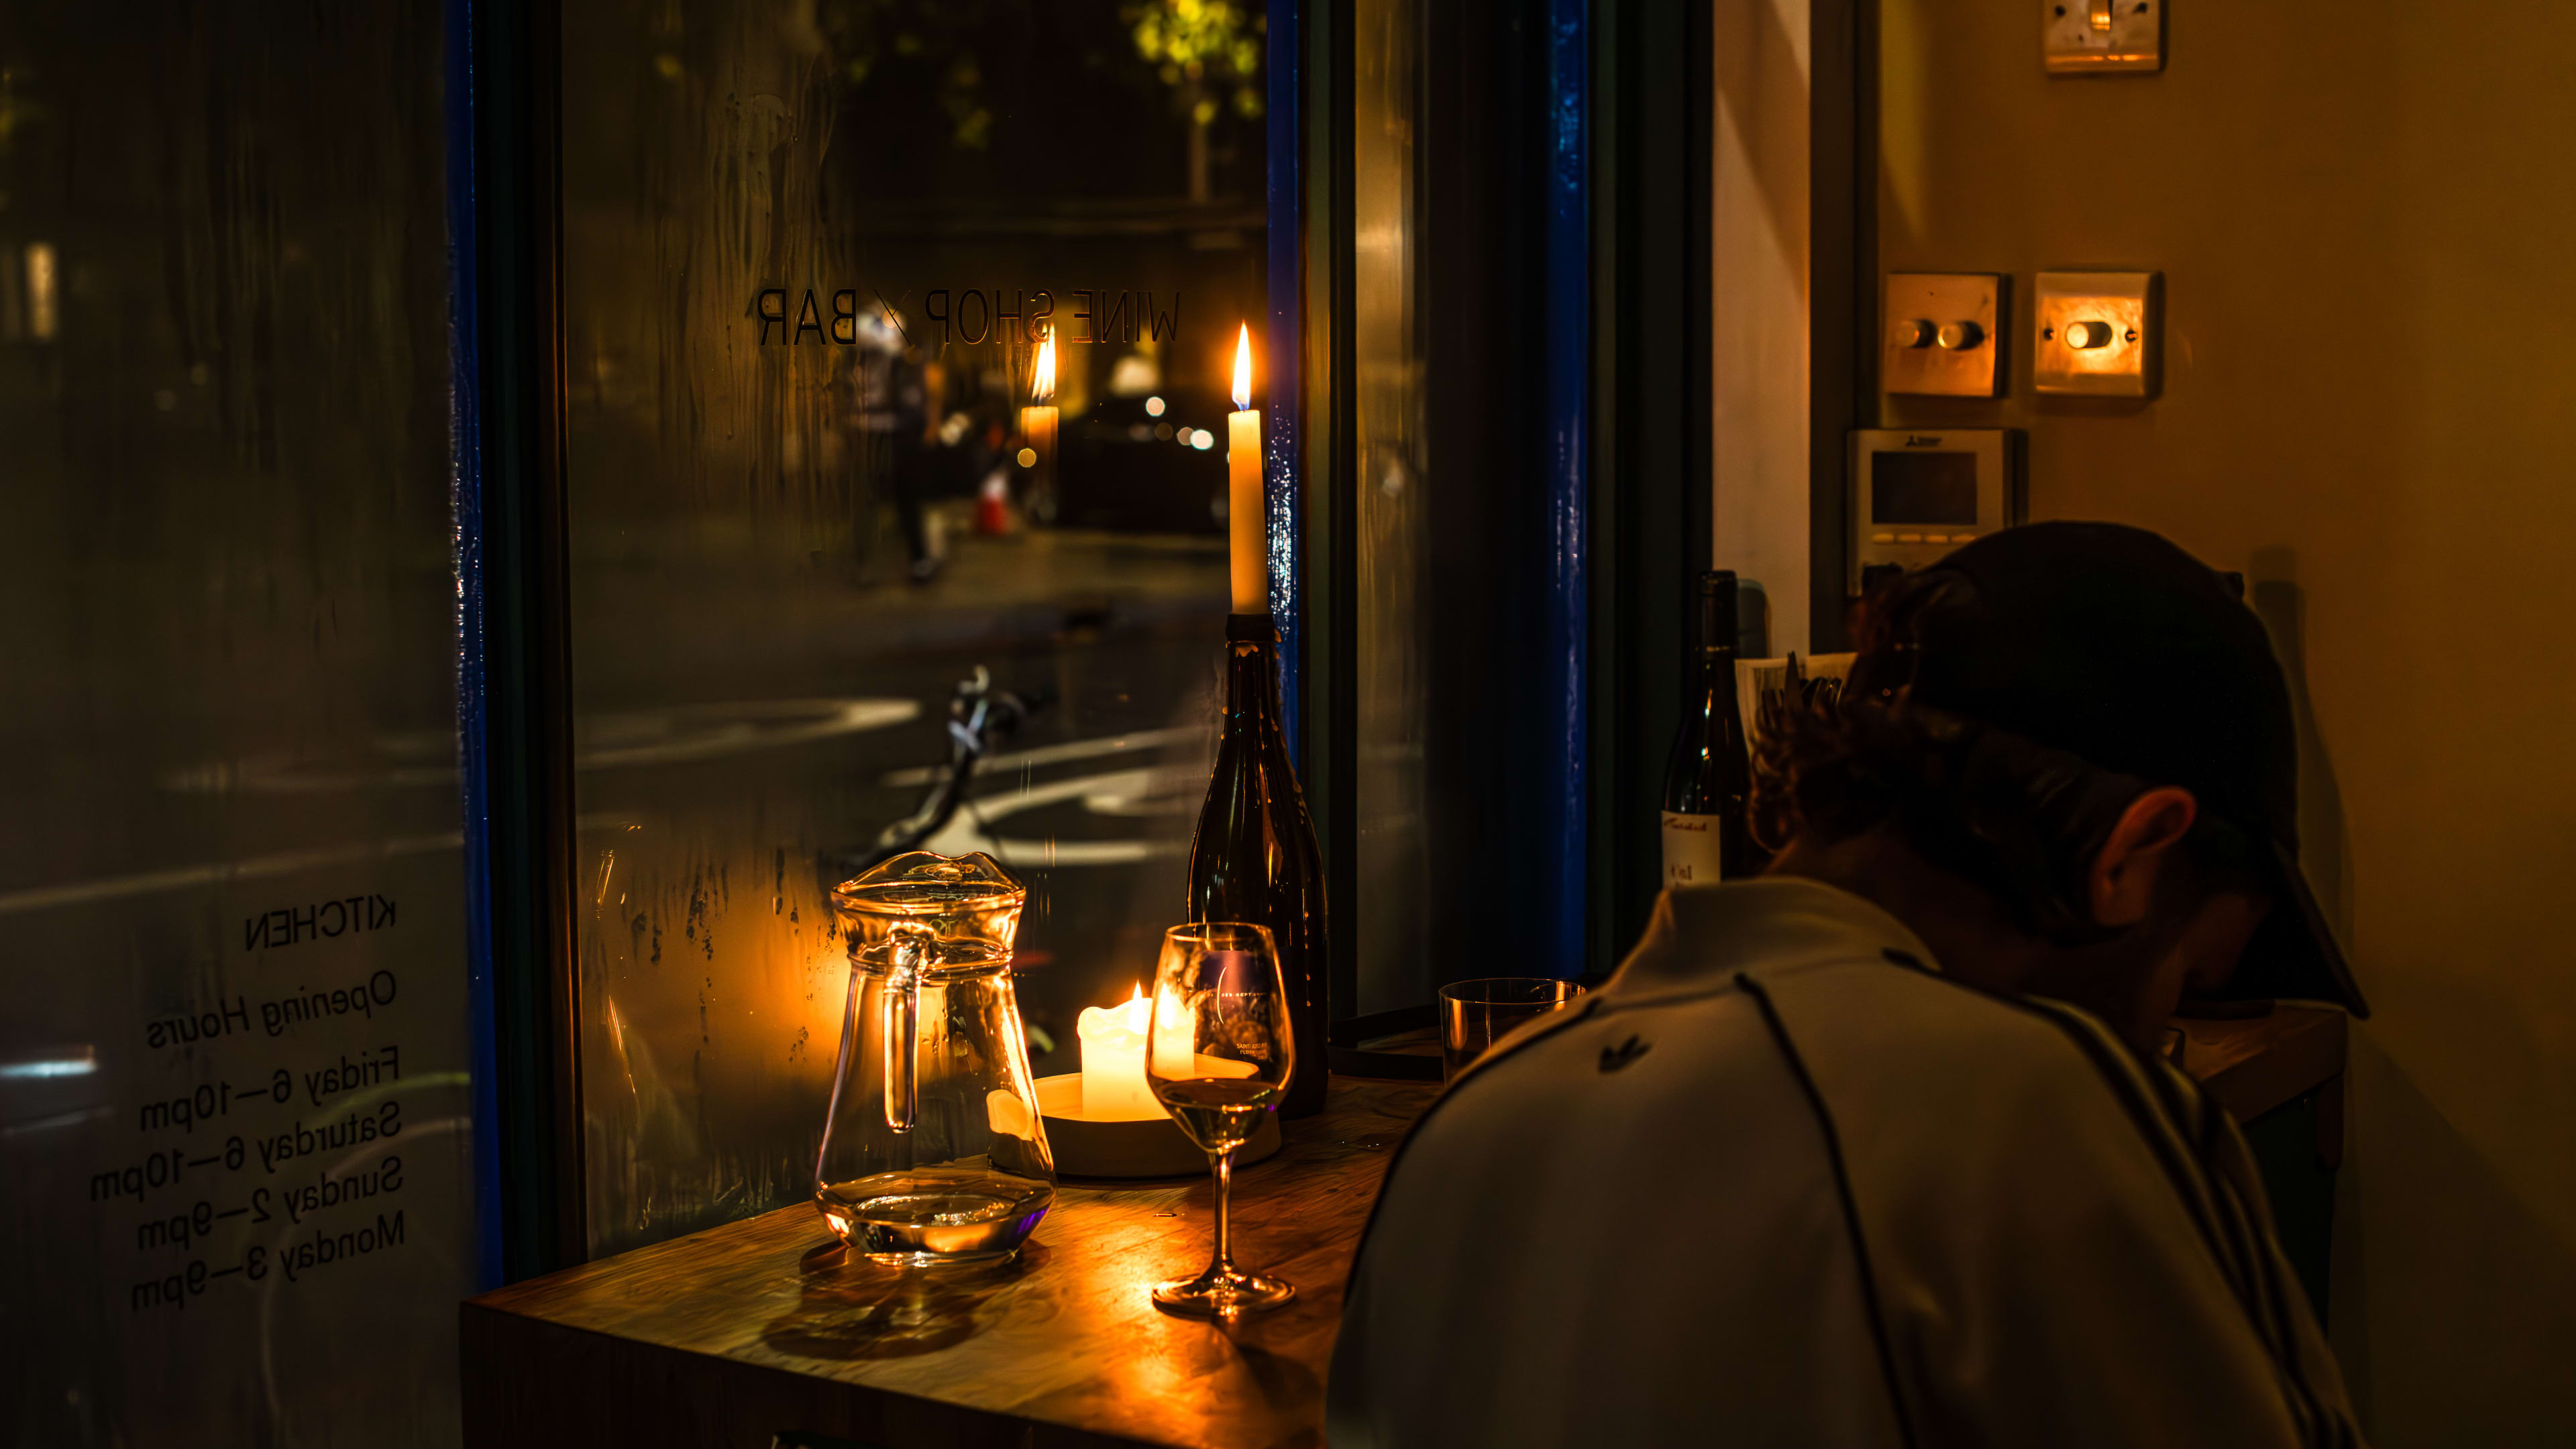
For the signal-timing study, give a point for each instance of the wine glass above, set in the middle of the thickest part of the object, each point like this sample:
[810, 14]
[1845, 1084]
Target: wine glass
[1218, 1055]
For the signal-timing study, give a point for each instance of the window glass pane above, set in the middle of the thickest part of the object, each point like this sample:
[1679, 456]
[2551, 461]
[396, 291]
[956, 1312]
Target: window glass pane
[1393, 879]
[234, 1145]
[808, 251]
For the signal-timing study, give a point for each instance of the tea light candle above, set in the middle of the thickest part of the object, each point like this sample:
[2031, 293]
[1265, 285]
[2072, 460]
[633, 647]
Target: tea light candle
[1245, 515]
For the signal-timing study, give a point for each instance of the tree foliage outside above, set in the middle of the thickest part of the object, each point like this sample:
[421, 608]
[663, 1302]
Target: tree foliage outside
[966, 68]
[1209, 53]
[938, 37]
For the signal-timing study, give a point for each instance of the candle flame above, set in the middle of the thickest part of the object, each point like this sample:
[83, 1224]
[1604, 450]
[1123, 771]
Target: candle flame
[1243, 368]
[1139, 1011]
[1042, 387]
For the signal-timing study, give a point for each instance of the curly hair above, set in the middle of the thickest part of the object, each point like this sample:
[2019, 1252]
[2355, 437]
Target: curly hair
[2022, 819]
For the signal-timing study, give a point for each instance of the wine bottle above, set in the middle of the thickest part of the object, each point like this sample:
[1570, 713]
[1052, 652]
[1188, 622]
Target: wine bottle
[1254, 857]
[1706, 837]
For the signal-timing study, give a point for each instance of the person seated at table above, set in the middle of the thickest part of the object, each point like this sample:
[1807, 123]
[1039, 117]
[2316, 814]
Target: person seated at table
[1879, 1149]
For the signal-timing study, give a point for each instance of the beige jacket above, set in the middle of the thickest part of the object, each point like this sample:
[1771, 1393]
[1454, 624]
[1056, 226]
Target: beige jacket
[1780, 1183]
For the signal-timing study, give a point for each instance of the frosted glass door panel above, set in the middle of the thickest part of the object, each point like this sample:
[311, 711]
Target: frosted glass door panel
[233, 1106]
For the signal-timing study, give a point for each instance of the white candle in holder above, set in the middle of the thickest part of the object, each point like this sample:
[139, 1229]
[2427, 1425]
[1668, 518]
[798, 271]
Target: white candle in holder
[1113, 1061]
[1114, 1088]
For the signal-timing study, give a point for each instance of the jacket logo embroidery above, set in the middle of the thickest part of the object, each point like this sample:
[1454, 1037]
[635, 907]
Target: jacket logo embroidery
[1613, 1058]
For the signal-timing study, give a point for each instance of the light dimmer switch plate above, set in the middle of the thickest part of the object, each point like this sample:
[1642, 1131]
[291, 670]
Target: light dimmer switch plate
[2094, 333]
[2094, 37]
[1943, 331]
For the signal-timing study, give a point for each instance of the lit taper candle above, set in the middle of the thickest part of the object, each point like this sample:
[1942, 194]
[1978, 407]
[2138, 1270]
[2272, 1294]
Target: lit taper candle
[1245, 516]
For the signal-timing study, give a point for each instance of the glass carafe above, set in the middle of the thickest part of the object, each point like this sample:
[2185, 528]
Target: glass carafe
[933, 1151]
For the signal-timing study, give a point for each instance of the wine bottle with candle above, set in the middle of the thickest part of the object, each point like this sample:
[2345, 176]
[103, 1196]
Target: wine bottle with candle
[1254, 858]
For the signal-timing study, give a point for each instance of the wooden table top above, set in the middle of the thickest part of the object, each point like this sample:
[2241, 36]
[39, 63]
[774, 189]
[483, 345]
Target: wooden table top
[1064, 1337]
[744, 1332]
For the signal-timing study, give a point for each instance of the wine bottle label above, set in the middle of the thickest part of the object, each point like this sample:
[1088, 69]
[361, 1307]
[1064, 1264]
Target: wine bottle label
[1690, 848]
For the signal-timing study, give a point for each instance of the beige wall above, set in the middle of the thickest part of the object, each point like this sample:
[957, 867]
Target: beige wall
[2366, 218]
[1758, 324]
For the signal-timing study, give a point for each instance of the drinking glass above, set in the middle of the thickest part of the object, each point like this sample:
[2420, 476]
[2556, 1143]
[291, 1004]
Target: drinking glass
[1219, 1051]
[1476, 1014]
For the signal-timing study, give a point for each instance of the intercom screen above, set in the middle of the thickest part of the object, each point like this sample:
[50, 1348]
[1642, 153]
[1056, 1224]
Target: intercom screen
[1923, 488]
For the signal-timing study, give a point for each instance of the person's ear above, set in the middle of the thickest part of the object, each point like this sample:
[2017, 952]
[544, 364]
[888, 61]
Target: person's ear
[2142, 846]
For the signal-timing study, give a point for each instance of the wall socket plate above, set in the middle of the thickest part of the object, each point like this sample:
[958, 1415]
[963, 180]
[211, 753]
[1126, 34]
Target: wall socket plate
[1943, 334]
[2094, 333]
[2102, 37]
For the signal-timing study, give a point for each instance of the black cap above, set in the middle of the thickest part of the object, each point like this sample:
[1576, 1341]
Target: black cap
[2113, 645]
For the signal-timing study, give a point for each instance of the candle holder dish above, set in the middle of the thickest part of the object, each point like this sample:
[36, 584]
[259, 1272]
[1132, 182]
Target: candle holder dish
[1106, 1146]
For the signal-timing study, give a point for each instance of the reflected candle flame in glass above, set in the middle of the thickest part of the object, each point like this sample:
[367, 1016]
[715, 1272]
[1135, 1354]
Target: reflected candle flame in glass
[1038, 419]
